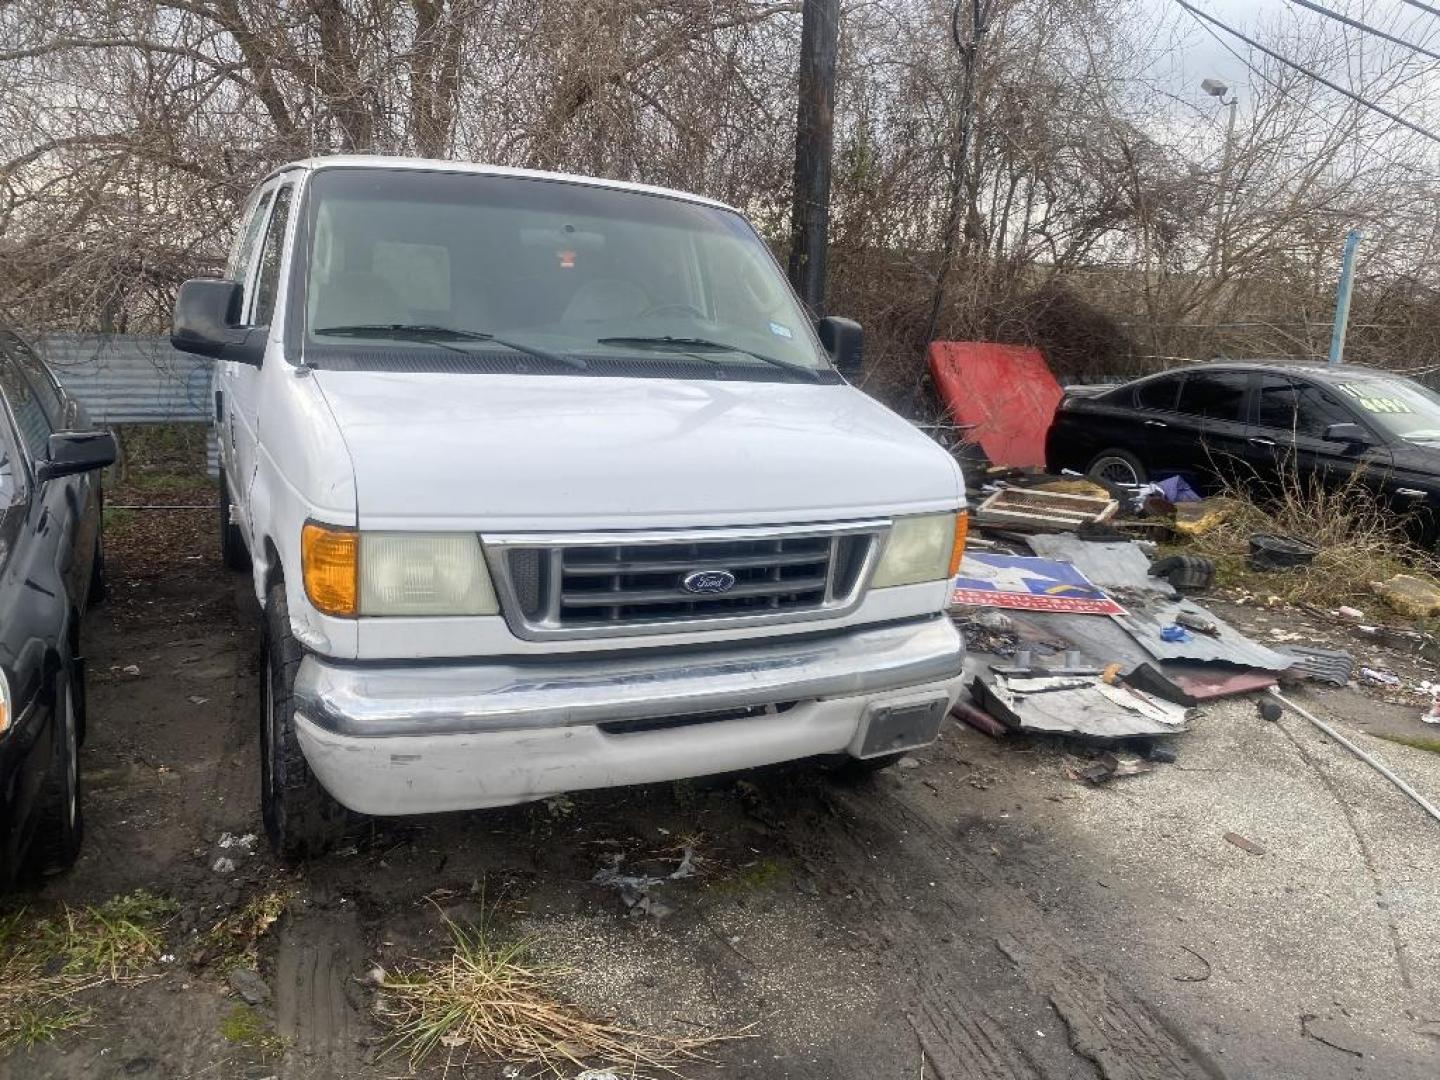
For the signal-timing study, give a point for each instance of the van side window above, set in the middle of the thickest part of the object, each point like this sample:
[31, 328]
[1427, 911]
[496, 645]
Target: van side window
[238, 269]
[267, 284]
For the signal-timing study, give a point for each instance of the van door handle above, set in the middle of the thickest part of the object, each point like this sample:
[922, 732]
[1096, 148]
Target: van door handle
[1260, 440]
[1156, 423]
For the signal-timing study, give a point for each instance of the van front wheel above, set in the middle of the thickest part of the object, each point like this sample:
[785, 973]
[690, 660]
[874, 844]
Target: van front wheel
[302, 820]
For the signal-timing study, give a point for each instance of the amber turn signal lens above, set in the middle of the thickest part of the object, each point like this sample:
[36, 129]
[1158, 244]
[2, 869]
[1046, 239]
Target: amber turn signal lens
[962, 530]
[328, 557]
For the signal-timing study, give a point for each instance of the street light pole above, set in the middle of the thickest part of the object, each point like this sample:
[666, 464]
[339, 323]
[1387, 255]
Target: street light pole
[1217, 89]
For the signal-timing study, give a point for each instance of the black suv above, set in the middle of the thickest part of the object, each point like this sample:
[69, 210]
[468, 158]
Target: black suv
[50, 569]
[1255, 421]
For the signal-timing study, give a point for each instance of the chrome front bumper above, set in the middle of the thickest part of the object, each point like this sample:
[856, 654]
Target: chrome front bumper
[391, 739]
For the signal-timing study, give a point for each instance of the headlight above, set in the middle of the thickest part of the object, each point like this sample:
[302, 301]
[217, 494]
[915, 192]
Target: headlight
[926, 547]
[5, 716]
[351, 573]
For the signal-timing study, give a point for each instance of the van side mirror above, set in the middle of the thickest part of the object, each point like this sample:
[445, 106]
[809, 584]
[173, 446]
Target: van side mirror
[206, 313]
[845, 342]
[73, 452]
[1350, 433]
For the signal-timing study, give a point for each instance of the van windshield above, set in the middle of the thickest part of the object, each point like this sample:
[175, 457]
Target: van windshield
[529, 274]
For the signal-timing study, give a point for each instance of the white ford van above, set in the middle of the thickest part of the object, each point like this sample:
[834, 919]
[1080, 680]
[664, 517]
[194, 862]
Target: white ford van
[548, 483]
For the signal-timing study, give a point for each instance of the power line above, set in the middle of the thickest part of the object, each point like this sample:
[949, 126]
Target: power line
[1366, 27]
[1422, 7]
[1280, 89]
[1396, 117]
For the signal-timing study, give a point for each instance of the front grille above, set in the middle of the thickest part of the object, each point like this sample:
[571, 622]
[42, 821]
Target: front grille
[619, 583]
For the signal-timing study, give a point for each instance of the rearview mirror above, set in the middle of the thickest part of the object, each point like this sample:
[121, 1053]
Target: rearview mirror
[206, 313]
[844, 341]
[73, 452]
[1349, 433]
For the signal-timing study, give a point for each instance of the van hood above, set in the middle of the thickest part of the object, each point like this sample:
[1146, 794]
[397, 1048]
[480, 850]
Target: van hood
[514, 452]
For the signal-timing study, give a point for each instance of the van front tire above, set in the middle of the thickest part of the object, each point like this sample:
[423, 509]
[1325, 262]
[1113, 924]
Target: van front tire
[302, 820]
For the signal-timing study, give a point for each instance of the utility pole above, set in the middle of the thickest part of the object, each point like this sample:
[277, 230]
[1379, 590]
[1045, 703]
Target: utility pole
[960, 165]
[1342, 298]
[814, 140]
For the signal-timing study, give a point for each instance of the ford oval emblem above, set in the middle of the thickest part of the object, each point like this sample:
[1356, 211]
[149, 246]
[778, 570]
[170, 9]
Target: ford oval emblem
[709, 581]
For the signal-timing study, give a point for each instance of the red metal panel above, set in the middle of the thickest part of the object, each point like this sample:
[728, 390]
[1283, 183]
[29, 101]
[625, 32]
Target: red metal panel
[1005, 391]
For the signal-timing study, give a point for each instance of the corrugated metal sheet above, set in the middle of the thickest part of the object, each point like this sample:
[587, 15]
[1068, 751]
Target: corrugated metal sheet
[129, 379]
[1145, 621]
[134, 379]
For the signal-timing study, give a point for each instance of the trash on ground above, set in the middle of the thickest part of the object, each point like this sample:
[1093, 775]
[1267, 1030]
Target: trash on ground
[1353, 614]
[1380, 677]
[223, 865]
[1333, 666]
[1175, 633]
[1185, 572]
[1112, 565]
[980, 721]
[131, 669]
[1205, 682]
[1432, 716]
[636, 890]
[1243, 844]
[1028, 508]
[1201, 624]
[1018, 582]
[1109, 767]
[1271, 551]
[1207, 515]
[1077, 705]
[1410, 595]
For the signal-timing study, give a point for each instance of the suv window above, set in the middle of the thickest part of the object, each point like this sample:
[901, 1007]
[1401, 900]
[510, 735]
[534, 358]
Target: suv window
[16, 351]
[267, 284]
[1214, 395]
[1158, 393]
[29, 414]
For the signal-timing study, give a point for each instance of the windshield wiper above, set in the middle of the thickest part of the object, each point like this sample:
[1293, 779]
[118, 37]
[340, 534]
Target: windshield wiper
[436, 335]
[682, 343]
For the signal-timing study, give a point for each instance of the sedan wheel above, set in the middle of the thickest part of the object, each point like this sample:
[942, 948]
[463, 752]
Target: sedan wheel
[1117, 467]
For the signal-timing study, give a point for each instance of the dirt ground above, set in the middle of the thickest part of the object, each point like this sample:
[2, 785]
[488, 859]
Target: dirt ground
[980, 913]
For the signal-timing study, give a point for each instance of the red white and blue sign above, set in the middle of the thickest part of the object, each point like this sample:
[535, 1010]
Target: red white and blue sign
[1025, 583]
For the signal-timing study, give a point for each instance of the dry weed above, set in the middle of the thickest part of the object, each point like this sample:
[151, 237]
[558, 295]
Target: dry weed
[492, 1000]
[1359, 541]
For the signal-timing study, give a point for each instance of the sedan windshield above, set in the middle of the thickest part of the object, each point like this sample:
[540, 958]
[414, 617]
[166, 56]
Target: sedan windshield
[535, 274]
[1399, 407]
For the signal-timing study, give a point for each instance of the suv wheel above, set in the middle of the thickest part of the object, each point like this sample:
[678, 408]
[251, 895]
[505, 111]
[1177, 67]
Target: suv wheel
[61, 822]
[302, 820]
[233, 551]
[1116, 467]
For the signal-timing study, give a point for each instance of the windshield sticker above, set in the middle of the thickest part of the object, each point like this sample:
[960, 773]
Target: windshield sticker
[1375, 404]
[781, 331]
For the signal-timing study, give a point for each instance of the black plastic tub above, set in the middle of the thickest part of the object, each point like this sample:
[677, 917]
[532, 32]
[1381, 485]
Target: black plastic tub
[1271, 551]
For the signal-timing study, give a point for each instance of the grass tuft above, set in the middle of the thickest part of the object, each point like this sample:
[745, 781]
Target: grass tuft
[46, 962]
[244, 1026]
[234, 940]
[492, 1000]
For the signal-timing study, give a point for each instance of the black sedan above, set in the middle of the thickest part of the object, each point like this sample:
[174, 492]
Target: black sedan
[50, 568]
[1257, 422]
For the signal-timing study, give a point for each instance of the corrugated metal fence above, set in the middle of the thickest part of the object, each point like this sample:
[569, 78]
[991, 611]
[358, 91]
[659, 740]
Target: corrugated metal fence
[133, 379]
